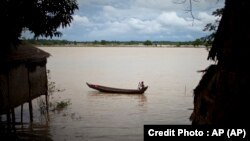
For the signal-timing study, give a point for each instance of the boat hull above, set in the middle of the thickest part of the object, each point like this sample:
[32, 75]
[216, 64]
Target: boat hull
[117, 90]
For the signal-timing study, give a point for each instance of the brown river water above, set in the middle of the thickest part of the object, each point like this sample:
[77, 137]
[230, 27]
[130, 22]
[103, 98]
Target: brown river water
[170, 73]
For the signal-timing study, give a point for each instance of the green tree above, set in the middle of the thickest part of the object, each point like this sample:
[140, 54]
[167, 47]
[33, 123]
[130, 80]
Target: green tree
[147, 43]
[95, 42]
[197, 42]
[221, 97]
[41, 17]
[212, 27]
[178, 44]
[103, 42]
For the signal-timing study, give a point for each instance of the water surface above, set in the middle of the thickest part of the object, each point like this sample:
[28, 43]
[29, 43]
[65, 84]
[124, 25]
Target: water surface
[170, 73]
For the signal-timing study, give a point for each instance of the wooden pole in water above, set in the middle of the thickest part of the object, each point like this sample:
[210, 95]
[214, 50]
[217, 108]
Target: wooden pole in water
[8, 120]
[22, 115]
[47, 103]
[13, 119]
[47, 106]
[31, 111]
[30, 99]
[46, 94]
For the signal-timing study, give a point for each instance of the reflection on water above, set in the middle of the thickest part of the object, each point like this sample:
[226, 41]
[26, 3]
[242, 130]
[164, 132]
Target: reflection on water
[34, 131]
[38, 131]
[141, 98]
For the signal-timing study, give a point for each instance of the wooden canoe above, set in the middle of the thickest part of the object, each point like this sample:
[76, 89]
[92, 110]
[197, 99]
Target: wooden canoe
[117, 90]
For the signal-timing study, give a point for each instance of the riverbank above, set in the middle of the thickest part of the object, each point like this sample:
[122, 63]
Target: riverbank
[104, 43]
[132, 46]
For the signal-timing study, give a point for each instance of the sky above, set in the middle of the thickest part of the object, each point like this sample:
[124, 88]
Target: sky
[140, 20]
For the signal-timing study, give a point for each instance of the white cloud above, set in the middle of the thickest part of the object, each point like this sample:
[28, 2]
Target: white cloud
[80, 20]
[168, 5]
[111, 13]
[171, 18]
[117, 27]
[206, 18]
[144, 26]
[203, 18]
[139, 20]
[136, 24]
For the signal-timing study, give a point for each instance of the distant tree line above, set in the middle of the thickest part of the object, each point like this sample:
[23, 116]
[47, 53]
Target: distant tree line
[52, 42]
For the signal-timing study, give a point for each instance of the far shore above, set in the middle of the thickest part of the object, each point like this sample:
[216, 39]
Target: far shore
[132, 46]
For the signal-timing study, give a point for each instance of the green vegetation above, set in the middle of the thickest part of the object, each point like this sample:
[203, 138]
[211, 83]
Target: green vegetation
[50, 42]
[211, 27]
[54, 105]
[198, 42]
[147, 43]
[43, 19]
[62, 104]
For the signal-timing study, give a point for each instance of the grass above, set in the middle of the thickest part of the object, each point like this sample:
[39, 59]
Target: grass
[53, 104]
[62, 104]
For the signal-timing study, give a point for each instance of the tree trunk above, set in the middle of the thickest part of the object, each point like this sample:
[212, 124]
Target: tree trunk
[221, 95]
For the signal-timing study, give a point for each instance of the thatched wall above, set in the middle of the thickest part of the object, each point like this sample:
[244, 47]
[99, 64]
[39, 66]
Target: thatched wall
[23, 76]
[18, 85]
[38, 82]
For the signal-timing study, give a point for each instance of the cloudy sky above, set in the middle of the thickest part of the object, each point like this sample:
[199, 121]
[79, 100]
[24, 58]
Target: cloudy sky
[126, 20]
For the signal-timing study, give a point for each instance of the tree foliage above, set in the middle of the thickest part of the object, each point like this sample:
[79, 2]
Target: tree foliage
[197, 42]
[212, 27]
[147, 42]
[221, 97]
[41, 17]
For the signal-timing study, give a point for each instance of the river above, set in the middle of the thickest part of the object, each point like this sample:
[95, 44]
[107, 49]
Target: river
[170, 73]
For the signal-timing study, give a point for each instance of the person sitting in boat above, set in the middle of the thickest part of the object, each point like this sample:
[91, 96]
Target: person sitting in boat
[141, 85]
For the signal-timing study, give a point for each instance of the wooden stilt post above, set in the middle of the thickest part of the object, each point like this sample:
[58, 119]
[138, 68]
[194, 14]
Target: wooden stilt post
[47, 103]
[8, 120]
[31, 111]
[47, 106]
[22, 115]
[13, 119]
